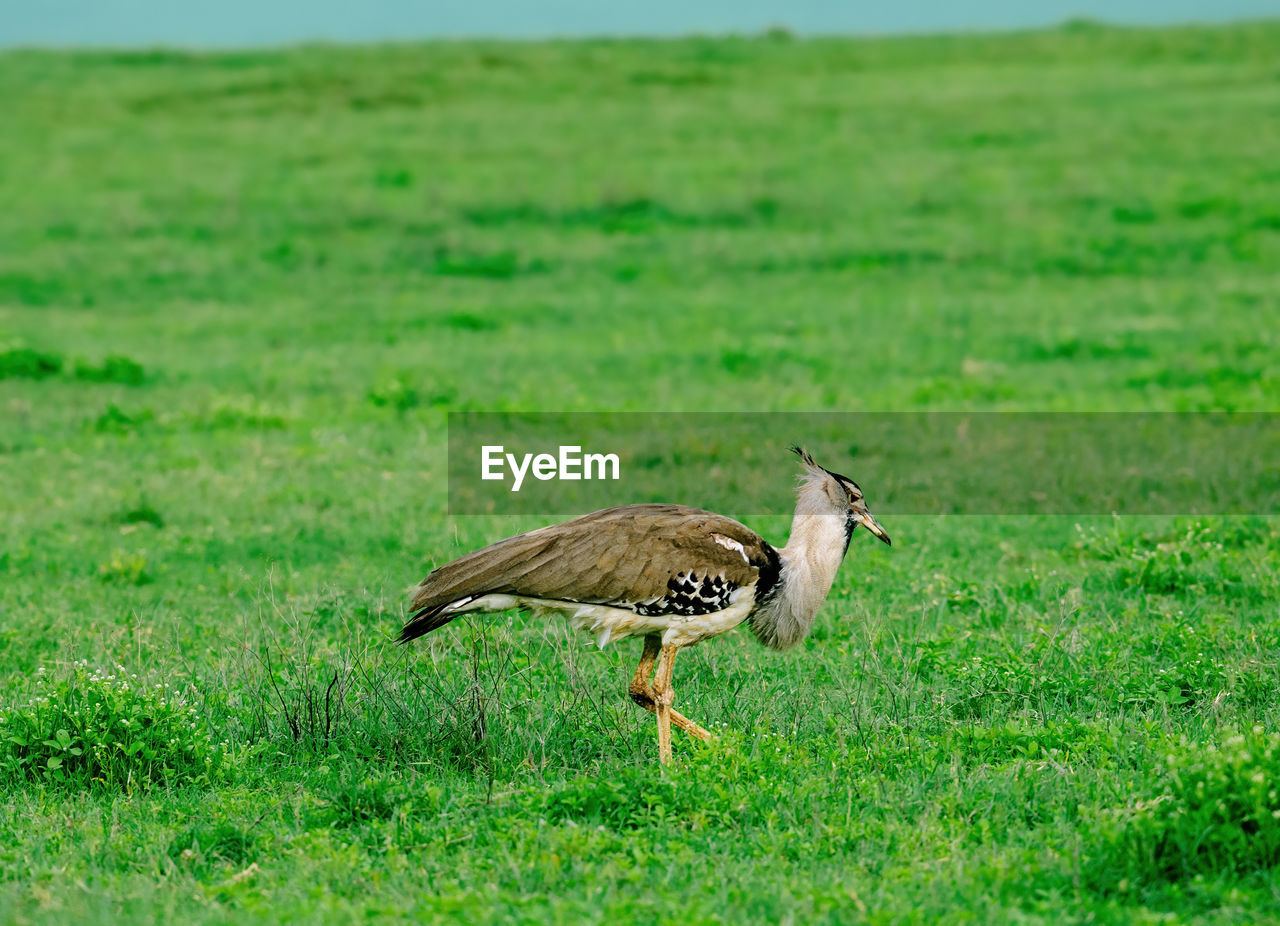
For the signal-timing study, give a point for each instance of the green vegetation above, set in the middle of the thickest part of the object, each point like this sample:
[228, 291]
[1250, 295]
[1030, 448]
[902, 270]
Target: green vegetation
[240, 291]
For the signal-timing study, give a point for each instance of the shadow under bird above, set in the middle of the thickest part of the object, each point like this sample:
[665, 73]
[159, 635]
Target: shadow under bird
[673, 574]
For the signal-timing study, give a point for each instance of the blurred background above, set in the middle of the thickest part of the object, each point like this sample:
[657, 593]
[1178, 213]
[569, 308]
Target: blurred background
[241, 22]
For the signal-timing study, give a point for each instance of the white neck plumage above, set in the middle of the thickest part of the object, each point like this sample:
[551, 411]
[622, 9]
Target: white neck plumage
[808, 568]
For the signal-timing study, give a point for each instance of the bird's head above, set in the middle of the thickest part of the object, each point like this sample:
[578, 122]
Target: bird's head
[830, 493]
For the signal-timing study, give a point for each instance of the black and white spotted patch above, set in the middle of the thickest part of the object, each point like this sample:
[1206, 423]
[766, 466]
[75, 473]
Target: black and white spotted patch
[689, 594]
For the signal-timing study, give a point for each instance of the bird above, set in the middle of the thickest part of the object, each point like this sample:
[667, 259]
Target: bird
[673, 574]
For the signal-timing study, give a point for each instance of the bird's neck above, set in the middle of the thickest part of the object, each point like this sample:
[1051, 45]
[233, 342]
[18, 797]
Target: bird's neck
[807, 569]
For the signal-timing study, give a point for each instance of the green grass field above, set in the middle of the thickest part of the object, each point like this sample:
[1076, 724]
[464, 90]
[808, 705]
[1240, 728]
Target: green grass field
[239, 292]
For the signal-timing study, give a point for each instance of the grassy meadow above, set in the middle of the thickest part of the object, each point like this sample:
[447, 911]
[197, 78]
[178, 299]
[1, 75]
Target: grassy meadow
[240, 291]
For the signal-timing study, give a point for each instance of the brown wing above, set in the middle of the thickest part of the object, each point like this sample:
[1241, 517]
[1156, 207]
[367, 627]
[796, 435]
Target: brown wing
[654, 559]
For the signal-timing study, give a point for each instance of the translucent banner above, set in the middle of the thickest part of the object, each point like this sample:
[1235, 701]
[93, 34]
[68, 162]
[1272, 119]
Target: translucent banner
[906, 463]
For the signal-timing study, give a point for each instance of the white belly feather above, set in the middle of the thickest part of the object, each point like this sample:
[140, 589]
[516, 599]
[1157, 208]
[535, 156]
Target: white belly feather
[610, 623]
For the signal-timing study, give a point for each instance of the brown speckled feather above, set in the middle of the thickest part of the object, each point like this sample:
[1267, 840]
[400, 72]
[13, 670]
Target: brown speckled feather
[619, 556]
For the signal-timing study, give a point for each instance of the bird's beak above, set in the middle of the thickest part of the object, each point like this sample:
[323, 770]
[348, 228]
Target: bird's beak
[866, 520]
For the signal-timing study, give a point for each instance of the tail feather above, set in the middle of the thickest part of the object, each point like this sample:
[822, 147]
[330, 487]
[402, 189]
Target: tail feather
[471, 576]
[424, 621]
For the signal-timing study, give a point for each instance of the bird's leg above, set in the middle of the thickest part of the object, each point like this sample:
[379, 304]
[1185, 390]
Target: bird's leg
[663, 696]
[641, 691]
[687, 725]
[643, 694]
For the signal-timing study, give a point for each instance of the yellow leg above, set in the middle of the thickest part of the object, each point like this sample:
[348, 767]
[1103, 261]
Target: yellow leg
[642, 692]
[664, 694]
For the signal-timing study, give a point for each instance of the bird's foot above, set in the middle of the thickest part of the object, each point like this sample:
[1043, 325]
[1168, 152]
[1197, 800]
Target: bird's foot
[693, 729]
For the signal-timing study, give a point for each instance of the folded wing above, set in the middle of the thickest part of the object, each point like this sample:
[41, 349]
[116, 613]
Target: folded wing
[652, 559]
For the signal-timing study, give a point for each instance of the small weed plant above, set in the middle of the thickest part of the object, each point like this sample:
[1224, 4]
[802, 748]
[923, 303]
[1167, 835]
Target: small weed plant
[92, 729]
[1216, 809]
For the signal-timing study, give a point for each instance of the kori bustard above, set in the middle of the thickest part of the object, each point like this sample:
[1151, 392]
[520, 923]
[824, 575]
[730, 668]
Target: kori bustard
[674, 574]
